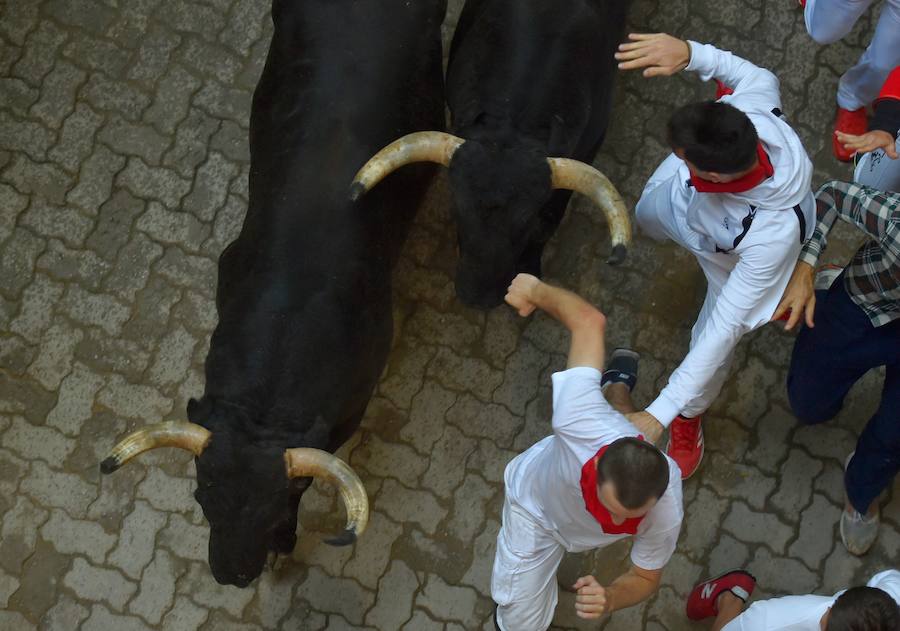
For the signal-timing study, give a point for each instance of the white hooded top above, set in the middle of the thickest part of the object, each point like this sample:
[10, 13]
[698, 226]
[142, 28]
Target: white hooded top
[755, 235]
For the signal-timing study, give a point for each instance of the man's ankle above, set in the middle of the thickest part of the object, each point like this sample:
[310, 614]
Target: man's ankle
[727, 600]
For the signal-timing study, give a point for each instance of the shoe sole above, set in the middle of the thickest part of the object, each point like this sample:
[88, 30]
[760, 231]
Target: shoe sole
[702, 453]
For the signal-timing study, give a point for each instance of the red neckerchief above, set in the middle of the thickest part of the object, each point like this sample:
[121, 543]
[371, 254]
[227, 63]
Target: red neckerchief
[759, 173]
[598, 510]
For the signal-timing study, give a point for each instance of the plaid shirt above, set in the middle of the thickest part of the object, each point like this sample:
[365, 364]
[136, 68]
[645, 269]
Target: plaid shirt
[873, 277]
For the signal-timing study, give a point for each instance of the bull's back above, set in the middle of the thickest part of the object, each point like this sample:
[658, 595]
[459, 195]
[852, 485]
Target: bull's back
[551, 73]
[304, 291]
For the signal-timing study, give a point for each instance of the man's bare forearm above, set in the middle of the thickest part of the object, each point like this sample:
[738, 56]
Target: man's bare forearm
[569, 308]
[631, 588]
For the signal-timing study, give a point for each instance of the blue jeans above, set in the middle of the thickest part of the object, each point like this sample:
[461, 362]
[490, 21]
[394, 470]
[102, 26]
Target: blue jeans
[827, 360]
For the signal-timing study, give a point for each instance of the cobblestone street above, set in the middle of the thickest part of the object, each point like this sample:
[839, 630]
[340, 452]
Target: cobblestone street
[123, 174]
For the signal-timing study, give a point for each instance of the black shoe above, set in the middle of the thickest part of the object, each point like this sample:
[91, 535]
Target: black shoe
[621, 368]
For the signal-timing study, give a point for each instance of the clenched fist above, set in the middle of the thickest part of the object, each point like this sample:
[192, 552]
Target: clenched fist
[590, 603]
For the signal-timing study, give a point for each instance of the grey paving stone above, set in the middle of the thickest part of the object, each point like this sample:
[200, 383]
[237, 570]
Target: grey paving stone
[103, 619]
[93, 309]
[447, 602]
[426, 416]
[194, 18]
[389, 459]
[90, 15]
[172, 99]
[58, 489]
[134, 401]
[750, 526]
[96, 180]
[444, 472]
[231, 141]
[72, 536]
[17, 97]
[388, 613]
[37, 306]
[464, 374]
[210, 59]
[58, 221]
[184, 615]
[65, 614]
[58, 94]
[191, 138]
[782, 575]
[404, 374]
[41, 180]
[157, 590]
[19, 19]
[797, 476]
[66, 264]
[40, 52]
[152, 58]
[94, 53]
[137, 541]
[157, 183]
[20, 527]
[32, 442]
[406, 505]
[134, 139]
[224, 102]
[26, 136]
[728, 554]
[738, 481]
[134, 262]
[76, 399]
[106, 94]
[244, 25]
[470, 505]
[184, 539]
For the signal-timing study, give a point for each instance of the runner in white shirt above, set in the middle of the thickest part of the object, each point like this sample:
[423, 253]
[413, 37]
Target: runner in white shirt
[593, 481]
[735, 193]
[874, 607]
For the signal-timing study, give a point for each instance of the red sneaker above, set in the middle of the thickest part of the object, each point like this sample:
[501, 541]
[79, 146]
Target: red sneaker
[853, 122]
[722, 90]
[686, 444]
[701, 602]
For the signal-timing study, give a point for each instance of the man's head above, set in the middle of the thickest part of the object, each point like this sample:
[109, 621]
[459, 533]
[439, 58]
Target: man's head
[631, 477]
[717, 140]
[862, 609]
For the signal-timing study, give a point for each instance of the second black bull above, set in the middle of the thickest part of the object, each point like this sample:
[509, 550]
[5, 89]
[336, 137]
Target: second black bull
[529, 85]
[304, 293]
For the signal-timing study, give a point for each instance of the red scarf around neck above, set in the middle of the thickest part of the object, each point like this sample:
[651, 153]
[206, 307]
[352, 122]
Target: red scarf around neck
[592, 503]
[743, 184]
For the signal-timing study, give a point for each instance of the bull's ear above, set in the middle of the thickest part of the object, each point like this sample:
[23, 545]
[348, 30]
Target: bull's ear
[197, 411]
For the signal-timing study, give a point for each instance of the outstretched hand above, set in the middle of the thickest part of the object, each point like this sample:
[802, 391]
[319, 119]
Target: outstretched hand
[590, 603]
[658, 53]
[869, 141]
[799, 297]
[647, 424]
[520, 295]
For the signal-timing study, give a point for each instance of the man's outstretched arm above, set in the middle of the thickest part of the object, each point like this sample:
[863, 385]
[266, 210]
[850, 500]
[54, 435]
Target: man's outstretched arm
[586, 323]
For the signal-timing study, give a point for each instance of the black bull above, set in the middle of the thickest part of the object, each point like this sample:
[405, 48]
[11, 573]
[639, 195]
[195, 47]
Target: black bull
[304, 292]
[527, 80]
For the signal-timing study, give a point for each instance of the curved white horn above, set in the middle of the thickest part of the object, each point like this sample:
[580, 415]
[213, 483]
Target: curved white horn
[181, 434]
[421, 146]
[582, 178]
[304, 462]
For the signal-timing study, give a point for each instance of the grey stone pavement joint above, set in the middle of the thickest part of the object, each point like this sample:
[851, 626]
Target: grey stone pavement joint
[123, 174]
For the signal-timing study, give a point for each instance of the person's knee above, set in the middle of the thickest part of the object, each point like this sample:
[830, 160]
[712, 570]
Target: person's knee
[807, 405]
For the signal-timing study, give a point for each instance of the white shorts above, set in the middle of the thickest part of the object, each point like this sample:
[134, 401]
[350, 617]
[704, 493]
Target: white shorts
[523, 582]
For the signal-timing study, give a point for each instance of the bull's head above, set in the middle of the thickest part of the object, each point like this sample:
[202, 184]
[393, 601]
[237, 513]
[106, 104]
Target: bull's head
[498, 194]
[246, 493]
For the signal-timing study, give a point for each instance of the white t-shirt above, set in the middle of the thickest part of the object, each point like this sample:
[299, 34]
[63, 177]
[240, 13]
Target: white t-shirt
[545, 480]
[802, 613]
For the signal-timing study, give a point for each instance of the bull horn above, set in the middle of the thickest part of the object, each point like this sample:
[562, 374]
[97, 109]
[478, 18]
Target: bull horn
[573, 175]
[421, 146]
[180, 434]
[305, 462]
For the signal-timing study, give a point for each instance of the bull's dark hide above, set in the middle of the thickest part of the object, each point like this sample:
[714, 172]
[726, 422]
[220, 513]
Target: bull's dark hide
[527, 80]
[304, 293]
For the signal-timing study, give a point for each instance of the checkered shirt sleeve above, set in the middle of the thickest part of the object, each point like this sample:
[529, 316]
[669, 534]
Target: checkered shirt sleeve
[873, 276]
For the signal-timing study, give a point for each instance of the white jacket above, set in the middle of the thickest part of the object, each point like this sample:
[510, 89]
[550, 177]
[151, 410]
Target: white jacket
[755, 236]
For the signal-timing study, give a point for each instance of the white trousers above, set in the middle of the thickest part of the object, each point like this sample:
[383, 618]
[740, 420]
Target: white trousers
[661, 214]
[830, 20]
[523, 581]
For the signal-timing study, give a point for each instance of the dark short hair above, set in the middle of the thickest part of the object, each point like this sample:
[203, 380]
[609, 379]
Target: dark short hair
[714, 136]
[864, 609]
[639, 471]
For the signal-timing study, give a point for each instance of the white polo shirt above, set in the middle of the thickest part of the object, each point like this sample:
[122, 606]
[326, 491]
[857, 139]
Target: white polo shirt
[802, 613]
[545, 479]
